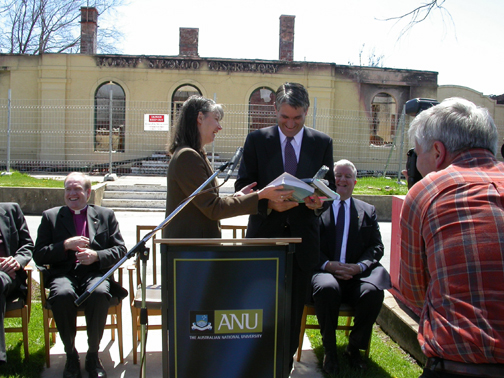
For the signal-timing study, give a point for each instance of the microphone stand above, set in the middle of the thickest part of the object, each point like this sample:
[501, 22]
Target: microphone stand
[144, 256]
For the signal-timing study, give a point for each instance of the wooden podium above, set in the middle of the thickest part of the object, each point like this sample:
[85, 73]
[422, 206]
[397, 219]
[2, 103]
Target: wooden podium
[226, 307]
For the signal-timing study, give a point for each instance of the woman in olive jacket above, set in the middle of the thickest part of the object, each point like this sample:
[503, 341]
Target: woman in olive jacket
[197, 125]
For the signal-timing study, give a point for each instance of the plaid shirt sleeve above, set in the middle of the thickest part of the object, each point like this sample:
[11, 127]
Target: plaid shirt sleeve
[413, 274]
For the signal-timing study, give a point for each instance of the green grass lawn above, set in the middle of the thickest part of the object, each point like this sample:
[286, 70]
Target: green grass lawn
[386, 358]
[24, 180]
[17, 366]
[379, 186]
[365, 185]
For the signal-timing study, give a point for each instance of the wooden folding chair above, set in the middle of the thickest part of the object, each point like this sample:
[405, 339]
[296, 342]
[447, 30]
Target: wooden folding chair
[153, 289]
[20, 307]
[114, 322]
[345, 310]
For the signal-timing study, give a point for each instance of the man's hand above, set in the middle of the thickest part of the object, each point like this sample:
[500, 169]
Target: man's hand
[313, 202]
[72, 244]
[282, 206]
[9, 265]
[86, 256]
[342, 271]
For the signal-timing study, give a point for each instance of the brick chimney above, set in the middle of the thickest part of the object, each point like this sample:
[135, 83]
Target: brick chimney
[188, 43]
[287, 38]
[89, 27]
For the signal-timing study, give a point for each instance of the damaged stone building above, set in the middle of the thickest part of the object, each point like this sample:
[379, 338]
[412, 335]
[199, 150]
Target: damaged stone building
[147, 85]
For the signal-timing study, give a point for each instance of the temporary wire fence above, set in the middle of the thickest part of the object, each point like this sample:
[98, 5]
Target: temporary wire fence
[132, 137]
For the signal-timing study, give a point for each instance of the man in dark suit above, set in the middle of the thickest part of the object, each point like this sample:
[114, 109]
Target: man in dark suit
[349, 270]
[16, 248]
[76, 244]
[302, 151]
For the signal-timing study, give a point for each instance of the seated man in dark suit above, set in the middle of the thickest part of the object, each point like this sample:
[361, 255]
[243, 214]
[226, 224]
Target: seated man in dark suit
[16, 248]
[76, 244]
[349, 271]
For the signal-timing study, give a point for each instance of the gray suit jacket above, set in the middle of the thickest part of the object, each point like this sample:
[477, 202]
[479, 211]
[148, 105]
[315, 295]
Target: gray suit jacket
[364, 243]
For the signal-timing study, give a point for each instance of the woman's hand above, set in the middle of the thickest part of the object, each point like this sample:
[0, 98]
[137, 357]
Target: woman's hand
[275, 193]
[272, 193]
[245, 190]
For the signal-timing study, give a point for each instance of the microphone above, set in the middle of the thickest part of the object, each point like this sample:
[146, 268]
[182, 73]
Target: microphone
[234, 162]
[321, 172]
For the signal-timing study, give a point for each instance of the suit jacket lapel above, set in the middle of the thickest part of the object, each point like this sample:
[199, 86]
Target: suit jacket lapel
[4, 229]
[67, 220]
[92, 223]
[328, 222]
[356, 217]
[272, 147]
[305, 155]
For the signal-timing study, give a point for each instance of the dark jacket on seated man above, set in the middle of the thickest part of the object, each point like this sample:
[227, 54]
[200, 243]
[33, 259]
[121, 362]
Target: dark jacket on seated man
[349, 270]
[16, 248]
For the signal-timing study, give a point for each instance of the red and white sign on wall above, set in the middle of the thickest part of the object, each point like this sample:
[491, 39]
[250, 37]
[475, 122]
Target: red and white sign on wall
[156, 122]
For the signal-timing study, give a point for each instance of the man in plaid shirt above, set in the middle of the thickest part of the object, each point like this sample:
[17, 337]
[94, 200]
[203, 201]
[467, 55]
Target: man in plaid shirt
[452, 241]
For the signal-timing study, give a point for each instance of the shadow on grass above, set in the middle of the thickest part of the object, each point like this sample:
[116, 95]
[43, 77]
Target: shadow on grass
[386, 358]
[17, 366]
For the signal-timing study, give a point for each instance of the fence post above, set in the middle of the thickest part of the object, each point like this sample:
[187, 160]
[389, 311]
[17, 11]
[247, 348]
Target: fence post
[8, 132]
[403, 123]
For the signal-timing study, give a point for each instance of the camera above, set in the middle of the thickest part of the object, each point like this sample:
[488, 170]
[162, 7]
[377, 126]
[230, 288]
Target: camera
[413, 108]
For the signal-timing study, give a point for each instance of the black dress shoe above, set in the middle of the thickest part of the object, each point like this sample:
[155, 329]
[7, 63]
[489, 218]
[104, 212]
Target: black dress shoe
[355, 358]
[330, 364]
[72, 366]
[94, 366]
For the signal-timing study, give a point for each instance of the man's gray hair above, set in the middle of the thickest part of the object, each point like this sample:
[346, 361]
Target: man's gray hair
[346, 163]
[457, 123]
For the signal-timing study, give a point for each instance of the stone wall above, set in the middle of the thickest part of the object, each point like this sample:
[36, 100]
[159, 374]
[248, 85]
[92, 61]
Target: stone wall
[34, 201]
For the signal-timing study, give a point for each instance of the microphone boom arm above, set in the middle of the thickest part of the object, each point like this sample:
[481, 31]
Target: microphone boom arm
[141, 244]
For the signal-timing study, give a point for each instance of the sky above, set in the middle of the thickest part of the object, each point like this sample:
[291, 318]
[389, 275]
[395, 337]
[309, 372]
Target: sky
[463, 43]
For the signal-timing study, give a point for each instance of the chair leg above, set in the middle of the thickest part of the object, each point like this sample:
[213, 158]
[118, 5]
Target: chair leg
[369, 345]
[301, 334]
[348, 323]
[47, 324]
[113, 320]
[120, 336]
[25, 319]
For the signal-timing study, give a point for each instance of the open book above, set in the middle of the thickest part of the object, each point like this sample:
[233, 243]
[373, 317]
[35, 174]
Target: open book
[304, 188]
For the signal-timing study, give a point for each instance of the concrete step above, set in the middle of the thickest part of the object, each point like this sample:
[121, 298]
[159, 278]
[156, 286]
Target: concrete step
[129, 195]
[139, 209]
[112, 186]
[134, 203]
[148, 170]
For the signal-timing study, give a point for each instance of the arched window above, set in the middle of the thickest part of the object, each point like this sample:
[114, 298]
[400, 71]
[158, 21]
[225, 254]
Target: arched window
[384, 118]
[179, 97]
[107, 110]
[262, 109]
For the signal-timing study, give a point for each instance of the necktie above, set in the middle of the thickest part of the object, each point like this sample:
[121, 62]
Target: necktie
[340, 227]
[290, 160]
